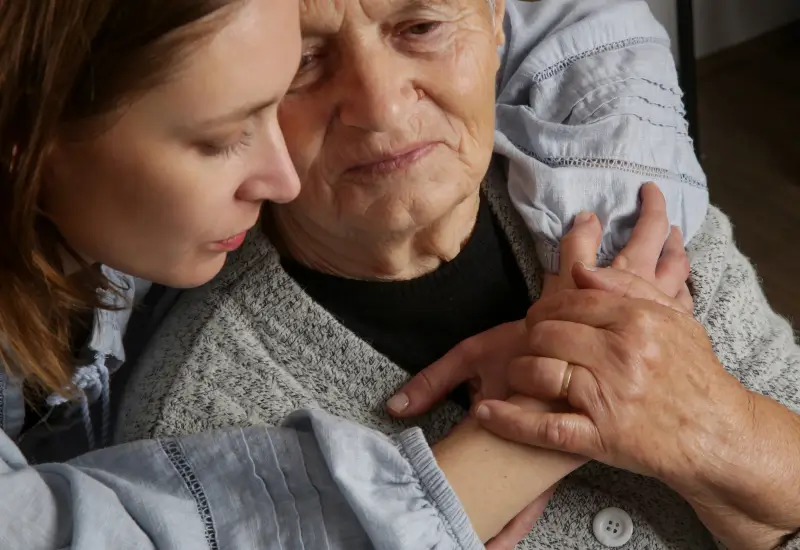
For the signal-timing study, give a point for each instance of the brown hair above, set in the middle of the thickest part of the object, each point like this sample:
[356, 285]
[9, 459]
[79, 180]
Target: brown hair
[63, 62]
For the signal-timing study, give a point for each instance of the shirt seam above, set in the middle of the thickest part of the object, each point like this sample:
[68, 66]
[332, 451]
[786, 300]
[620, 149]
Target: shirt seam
[618, 98]
[563, 64]
[612, 163]
[678, 131]
[177, 457]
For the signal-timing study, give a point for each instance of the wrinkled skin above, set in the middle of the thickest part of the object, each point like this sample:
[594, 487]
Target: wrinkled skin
[378, 77]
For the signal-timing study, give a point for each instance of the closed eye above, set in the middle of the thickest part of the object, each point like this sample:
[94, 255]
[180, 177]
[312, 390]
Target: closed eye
[227, 150]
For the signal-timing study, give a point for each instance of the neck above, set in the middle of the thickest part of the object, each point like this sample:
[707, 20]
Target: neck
[372, 255]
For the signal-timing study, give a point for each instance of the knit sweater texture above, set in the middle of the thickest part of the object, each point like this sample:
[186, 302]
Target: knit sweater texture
[252, 346]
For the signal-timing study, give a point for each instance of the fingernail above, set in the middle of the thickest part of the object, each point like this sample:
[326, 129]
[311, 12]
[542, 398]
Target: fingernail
[483, 412]
[587, 267]
[398, 403]
[583, 217]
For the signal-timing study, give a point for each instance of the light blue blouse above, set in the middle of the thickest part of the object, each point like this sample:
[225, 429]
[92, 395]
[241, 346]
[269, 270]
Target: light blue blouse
[588, 109]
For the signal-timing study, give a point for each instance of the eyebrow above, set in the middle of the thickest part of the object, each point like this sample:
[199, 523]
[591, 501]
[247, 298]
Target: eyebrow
[236, 115]
[313, 26]
[409, 4]
[416, 5]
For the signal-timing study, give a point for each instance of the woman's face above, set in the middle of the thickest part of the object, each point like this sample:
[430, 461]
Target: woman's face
[180, 175]
[390, 120]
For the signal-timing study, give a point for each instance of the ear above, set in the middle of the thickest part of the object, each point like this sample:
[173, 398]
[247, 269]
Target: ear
[499, 15]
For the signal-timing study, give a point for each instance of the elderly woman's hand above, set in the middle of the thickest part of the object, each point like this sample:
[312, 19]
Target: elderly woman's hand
[665, 265]
[482, 359]
[650, 396]
[614, 359]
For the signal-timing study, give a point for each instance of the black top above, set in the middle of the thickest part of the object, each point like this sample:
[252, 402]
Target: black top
[416, 322]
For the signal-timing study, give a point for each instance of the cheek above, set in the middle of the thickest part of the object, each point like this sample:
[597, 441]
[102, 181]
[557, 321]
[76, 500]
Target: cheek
[462, 82]
[303, 122]
[139, 215]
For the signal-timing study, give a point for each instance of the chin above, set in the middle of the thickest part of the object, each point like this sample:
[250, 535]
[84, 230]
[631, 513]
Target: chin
[189, 275]
[422, 208]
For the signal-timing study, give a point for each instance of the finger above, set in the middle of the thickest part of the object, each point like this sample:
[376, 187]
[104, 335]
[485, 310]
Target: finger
[435, 382]
[567, 432]
[622, 283]
[431, 385]
[685, 299]
[579, 245]
[543, 378]
[580, 305]
[640, 255]
[672, 270]
[538, 377]
[519, 527]
[575, 343]
[551, 284]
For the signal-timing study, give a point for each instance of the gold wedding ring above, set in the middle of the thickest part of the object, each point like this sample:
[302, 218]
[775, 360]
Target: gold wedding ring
[566, 380]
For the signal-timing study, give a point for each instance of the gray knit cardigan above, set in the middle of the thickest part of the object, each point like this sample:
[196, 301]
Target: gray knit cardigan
[251, 347]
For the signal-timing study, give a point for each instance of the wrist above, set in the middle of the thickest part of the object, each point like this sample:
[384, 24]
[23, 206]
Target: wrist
[494, 478]
[743, 482]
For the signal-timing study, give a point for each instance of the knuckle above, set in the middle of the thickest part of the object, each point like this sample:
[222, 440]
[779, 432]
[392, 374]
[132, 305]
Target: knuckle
[519, 429]
[625, 354]
[678, 265]
[640, 318]
[424, 381]
[596, 400]
[555, 432]
[469, 349]
[591, 298]
[537, 335]
[621, 262]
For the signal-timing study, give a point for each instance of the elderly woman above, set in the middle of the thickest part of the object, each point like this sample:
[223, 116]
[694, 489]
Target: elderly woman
[392, 255]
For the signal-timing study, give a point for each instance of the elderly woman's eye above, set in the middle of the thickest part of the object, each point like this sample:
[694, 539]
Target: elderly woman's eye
[421, 29]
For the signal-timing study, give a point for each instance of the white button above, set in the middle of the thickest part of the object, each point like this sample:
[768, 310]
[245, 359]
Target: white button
[612, 527]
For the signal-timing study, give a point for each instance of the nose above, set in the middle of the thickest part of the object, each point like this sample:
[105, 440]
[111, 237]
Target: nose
[376, 92]
[277, 181]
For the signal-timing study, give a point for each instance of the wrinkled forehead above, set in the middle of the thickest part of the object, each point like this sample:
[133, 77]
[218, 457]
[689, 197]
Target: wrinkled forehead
[330, 15]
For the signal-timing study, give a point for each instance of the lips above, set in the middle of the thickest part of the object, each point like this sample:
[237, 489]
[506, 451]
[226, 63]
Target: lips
[231, 243]
[397, 160]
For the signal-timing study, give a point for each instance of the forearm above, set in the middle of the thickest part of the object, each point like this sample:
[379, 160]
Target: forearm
[494, 478]
[748, 490]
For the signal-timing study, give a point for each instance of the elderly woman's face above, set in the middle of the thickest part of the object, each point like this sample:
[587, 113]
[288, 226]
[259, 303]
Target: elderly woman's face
[390, 119]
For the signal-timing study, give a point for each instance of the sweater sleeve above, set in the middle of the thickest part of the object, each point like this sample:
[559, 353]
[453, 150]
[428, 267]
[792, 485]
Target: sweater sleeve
[316, 482]
[588, 109]
[751, 340]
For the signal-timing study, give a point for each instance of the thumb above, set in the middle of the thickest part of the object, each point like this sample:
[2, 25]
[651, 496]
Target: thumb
[622, 283]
